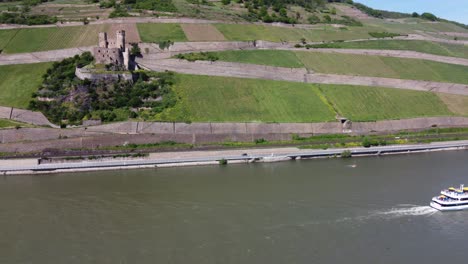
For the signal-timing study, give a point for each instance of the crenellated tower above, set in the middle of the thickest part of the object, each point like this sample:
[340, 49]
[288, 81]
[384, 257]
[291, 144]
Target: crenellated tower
[120, 40]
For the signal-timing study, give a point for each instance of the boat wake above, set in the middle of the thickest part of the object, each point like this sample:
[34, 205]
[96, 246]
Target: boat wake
[403, 210]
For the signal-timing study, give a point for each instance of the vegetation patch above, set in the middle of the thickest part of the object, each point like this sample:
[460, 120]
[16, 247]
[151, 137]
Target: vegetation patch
[22, 18]
[152, 32]
[19, 82]
[279, 58]
[384, 34]
[370, 104]
[203, 56]
[158, 5]
[6, 123]
[63, 98]
[207, 98]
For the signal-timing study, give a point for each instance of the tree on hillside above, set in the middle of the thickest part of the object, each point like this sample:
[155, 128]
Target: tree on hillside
[429, 16]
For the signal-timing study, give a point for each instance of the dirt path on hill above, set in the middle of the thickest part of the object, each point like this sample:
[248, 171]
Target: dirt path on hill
[152, 51]
[241, 70]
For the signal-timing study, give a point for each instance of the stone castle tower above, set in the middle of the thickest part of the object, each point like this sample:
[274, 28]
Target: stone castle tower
[112, 51]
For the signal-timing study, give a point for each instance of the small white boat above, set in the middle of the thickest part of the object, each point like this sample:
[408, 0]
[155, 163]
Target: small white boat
[451, 199]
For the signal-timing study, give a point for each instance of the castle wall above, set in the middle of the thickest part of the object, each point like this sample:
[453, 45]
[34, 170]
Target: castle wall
[107, 56]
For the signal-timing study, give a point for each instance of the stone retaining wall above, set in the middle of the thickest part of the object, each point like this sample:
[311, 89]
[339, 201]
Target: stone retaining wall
[25, 116]
[83, 74]
[147, 132]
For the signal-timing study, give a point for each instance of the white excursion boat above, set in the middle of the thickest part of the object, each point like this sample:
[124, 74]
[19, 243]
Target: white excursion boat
[451, 199]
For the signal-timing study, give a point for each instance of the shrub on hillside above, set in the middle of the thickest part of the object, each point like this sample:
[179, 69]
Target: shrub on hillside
[16, 18]
[205, 56]
[383, 34]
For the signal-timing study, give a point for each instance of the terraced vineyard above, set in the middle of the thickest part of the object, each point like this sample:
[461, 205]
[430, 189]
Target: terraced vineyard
[40, 39]
[441, 49]
[204, 98]
[370, 104]
[350, 64]
[231, 99]
[240, 32]
[375, 66]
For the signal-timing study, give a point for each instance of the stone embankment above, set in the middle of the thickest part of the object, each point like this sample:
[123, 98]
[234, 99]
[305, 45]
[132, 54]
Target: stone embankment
[118, 134]
[241, 70]
[25, 116]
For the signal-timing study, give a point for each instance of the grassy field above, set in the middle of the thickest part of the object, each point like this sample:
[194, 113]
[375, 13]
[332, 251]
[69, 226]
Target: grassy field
[158, 32]
[414, 45]
[6, 36]
[18, 82]
[220, 99]
[241, 32]
[40, 39]
[280, 58]
[369, 104]
[413, 24]
[204, 98]
[202, 32]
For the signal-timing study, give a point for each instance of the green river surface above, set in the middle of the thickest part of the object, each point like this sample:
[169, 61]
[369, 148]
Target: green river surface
[306, 211]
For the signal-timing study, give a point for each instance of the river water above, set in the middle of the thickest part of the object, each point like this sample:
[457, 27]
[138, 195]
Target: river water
[307, 211]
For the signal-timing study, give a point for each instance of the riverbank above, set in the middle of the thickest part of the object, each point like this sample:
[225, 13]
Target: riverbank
[223, 157]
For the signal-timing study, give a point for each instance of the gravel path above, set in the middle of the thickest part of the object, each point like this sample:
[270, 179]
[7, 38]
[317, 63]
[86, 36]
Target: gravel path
[241, 70]
[42, 56]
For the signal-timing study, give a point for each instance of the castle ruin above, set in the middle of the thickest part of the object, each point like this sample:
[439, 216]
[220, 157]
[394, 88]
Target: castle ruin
[112, 51]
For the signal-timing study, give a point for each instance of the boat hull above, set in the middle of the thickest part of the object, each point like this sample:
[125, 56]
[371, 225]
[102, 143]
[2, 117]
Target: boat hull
[448, 208]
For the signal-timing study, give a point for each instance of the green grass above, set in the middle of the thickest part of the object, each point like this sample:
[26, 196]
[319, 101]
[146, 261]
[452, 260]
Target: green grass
[221, 99]
[242, 32]
[278, 58]
[6, 36]
[376, 66]
[18, 82]
[159, 32]
[5, 123]
[41, 39]
[369, 104]
[204, 98]
[413, 45]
